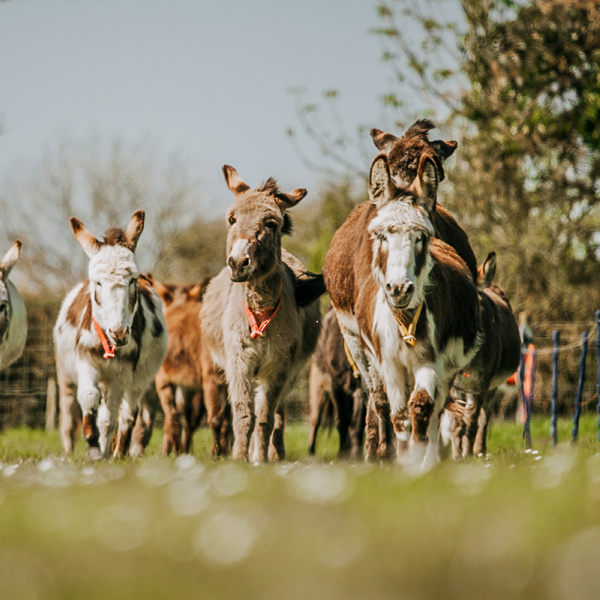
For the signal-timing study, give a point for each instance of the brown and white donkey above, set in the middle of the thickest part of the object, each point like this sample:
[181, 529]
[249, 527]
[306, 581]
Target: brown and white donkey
[407, 306]
[110, 339]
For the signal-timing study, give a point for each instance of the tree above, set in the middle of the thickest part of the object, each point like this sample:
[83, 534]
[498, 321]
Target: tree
[102, 183]
[518, 83]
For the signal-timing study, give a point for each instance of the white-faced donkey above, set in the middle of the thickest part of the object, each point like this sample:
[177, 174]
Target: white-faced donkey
[13, 317]
[110, 339]
[260, 318]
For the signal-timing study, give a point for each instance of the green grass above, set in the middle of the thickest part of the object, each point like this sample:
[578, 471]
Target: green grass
[518, 525]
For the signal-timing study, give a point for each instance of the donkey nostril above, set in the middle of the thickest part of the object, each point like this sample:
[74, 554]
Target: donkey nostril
[409, 287]
[245, 262]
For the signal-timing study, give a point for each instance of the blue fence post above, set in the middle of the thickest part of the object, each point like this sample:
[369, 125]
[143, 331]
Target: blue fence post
[584, 345]
[598, 357]
[528, 384]
[556, 340]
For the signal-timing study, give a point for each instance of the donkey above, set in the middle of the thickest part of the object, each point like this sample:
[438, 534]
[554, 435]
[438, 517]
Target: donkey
[407, 307]
[260, 318]
[13, 316]
[188, 381]
[497, 358]
[110, 338]
[404, 155]
[335, 385]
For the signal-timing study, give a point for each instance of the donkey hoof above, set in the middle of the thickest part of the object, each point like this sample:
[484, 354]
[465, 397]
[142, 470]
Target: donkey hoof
[94, 453]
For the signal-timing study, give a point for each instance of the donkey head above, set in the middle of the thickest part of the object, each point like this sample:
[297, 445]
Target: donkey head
[257, 220]
[405, 153]
[113, 275]
[401, 231]
[6, 264]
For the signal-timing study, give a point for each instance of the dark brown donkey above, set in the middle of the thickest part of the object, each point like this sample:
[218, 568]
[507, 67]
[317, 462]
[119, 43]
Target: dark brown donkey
[407, 307]
[404, 155]
[334, 386]
[259, 316]
[464, 424]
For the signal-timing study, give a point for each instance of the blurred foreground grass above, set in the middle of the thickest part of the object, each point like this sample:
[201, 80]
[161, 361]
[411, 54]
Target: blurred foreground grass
[519, 525]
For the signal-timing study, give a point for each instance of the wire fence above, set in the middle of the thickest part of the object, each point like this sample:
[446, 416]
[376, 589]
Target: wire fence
[27, 385]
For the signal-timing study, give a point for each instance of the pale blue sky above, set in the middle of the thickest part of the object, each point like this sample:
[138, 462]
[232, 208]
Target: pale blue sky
[207, 79]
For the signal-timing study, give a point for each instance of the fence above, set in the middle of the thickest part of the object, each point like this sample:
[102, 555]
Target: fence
[26, 386]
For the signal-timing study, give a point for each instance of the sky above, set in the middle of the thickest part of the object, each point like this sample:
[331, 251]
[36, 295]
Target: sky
[207, 80]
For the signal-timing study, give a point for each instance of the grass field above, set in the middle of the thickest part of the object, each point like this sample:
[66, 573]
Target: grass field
[518, 525]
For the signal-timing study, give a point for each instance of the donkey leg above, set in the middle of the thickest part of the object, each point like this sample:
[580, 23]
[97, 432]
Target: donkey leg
[171, 428]
[317, 399]
[194, 405]
[277, 443]
[215, 403]
[471, 421]
[70, 414]
[88, 396]
[144, 422]
[480, 445]
[265, 421]
[126, 416]
[357, 425]
[241, 398]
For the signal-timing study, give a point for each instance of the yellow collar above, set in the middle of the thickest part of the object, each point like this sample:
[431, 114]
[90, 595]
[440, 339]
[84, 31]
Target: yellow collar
[408, 333]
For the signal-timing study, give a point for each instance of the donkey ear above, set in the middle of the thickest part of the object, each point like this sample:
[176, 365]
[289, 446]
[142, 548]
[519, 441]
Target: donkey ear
[383, 141]
[444, 149]
[164, 292]
[86, 239]
[426, 183]
[234, 182]
[486, 272]
[135, 228]
[290, 199]
[9, 259]
[381, 187]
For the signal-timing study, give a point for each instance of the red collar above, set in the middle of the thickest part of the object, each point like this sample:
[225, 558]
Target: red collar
[109, 351]
[257, 329]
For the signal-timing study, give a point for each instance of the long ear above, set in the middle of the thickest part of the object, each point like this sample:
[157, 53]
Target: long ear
[426, 183]
[444, 149]
[290, 199]
[486, 272]
[383, 141]
[234, 182]
[164, 292]
[86, 239]
[381, 187]
[9, 259]
[135, 228]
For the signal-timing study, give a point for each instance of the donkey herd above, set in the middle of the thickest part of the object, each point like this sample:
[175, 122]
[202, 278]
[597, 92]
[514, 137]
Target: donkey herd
[415, 341]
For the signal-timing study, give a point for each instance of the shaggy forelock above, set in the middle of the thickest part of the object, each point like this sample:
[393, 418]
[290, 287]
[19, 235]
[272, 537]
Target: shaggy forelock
[419, 129]
[402, 215]
[269, 187]
[115, 236]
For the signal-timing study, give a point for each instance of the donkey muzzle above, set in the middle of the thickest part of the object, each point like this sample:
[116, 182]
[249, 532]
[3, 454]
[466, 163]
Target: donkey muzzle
[119, 335]
[400, 293]
[240, 269]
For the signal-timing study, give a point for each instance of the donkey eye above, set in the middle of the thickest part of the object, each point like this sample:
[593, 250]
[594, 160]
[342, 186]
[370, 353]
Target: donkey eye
[271, 224]
[231, 219]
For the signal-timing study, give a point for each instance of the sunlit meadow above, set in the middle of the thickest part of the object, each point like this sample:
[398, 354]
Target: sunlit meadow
[515, 525]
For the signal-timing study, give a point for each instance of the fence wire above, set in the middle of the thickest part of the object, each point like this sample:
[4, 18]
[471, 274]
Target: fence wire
[24, 386]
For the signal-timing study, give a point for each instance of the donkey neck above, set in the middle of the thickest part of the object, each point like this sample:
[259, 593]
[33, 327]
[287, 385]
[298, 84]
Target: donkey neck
[263, 293]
